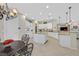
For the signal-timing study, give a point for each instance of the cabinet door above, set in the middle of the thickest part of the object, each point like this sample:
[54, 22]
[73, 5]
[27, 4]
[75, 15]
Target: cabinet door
[73, 40]
[78, 43]
[77, 40]
[64, 40]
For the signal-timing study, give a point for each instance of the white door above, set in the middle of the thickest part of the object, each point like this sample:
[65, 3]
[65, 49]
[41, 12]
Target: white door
[12, 29]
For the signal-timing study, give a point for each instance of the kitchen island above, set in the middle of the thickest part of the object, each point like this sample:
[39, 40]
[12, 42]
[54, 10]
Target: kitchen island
[69, 39]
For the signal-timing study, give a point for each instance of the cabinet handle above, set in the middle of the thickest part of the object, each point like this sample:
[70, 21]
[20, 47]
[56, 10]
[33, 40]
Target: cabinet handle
[77, 38]
[19, 28]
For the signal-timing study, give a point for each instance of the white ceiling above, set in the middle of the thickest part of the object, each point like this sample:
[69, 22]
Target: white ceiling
[53, 10]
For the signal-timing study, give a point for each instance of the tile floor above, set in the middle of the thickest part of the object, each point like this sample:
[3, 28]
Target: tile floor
[52, 48]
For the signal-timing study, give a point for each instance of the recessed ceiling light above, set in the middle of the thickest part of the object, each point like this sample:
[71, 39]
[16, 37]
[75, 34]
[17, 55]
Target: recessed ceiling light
[47, 6]
[40, 13]
[24, 16]
[35, 21]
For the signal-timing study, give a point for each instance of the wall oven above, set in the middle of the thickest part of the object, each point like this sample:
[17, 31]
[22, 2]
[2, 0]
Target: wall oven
[63, 27]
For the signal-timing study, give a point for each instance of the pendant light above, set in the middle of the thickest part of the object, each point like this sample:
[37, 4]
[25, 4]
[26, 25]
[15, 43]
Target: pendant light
[1, 16]
[5, 10]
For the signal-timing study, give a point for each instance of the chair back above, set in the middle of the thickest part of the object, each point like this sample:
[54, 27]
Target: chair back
[1, 47]
[25, 38]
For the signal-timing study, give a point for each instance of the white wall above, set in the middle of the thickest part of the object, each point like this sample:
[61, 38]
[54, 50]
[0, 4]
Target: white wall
[1, 29]
[25, 26]
[11, 29]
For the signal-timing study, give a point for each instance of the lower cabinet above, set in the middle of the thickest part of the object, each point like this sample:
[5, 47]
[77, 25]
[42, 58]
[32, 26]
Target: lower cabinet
[53, 34]
[73, 42]
[69, 41]
[40, 38]
[78, 43]
[64, 40]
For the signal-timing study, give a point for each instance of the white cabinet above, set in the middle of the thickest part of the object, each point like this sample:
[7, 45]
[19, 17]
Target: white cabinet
[78, 43]
[78, 40]
[73, 37]
[64, 40]
[53, 34]
[40, 38]
[69, 40]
